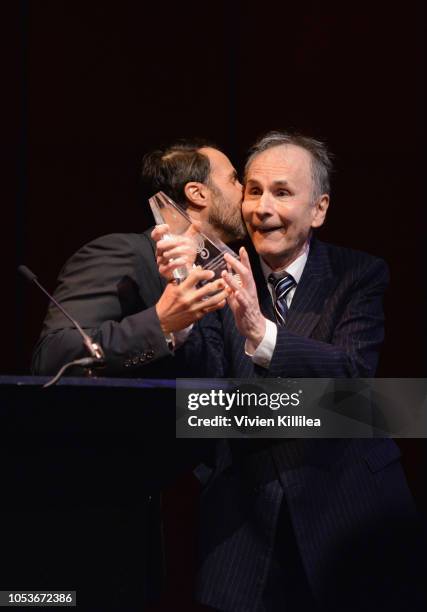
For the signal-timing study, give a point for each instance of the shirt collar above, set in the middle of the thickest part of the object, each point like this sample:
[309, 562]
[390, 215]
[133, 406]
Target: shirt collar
[296, 268]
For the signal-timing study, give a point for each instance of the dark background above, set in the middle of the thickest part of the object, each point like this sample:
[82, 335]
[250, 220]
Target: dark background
[98, 84]
[95, 85]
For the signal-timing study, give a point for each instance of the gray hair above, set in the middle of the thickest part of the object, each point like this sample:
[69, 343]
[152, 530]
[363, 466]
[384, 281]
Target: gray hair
[321, 159]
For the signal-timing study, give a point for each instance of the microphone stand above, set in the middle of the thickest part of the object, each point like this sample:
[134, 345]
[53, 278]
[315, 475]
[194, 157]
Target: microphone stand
[97, 357]
[85, 362]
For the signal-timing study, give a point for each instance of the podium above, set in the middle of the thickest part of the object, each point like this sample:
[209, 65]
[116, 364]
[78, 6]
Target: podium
[82, 465]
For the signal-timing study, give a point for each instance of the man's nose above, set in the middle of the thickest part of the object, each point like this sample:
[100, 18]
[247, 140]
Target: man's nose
[264, 206]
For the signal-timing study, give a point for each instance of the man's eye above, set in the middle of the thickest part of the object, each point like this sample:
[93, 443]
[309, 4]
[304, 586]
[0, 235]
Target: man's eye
[254, 191]
[282, 193]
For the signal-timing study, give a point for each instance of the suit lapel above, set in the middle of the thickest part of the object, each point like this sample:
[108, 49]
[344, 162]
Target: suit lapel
[311, 292]
[265, 301]
[264, 297]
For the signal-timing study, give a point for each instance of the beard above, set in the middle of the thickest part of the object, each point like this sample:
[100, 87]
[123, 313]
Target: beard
[225, 219]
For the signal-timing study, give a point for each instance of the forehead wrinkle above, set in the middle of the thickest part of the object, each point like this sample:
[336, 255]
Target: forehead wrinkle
[274, 183]
[264, 169]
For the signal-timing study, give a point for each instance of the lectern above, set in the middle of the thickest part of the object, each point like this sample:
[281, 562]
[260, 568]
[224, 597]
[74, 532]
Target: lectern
[82, 466]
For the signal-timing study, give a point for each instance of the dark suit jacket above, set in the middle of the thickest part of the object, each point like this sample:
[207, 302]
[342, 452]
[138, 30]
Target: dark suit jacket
[335, 324]
[348, 501]
[110, 286]
[336, 491]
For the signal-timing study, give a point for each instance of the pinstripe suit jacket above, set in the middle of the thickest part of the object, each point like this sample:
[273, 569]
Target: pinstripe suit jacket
[338, 492]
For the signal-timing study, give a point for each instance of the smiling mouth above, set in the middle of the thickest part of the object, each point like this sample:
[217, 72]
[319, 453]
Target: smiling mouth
[268, 230]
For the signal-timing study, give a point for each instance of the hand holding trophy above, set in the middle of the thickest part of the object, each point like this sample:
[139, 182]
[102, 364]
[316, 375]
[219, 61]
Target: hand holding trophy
[194, 248]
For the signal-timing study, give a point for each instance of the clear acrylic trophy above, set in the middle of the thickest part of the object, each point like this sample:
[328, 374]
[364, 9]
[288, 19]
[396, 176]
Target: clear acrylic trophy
[209, 250]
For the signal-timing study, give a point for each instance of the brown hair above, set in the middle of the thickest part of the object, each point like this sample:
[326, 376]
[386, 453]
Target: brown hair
[171, 168]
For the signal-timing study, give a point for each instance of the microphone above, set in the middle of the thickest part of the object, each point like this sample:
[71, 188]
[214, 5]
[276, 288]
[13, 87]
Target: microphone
[96, 353]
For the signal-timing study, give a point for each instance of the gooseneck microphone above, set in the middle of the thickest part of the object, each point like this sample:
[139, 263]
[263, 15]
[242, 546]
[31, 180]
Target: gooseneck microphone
[96, 353]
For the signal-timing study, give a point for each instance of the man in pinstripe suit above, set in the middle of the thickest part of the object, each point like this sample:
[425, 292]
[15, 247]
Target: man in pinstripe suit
[301, 524]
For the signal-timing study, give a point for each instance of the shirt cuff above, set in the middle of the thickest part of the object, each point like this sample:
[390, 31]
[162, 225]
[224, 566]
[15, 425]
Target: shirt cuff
[181, 336]
[265, 349]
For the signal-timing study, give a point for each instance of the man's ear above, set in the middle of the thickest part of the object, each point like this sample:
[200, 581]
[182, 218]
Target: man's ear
[196, 194]
[320, 210]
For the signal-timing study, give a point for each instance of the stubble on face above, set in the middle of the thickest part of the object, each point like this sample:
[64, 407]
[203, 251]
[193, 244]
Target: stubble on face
[225, 217]
[224, 212]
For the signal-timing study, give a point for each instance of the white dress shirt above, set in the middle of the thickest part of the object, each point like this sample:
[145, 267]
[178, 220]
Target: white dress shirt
[265, 349]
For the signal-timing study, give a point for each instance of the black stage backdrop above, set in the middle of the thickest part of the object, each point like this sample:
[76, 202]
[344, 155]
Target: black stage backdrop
[98, 84]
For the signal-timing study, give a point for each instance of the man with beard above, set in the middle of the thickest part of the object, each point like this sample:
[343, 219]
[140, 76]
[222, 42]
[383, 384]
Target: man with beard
[112, 287]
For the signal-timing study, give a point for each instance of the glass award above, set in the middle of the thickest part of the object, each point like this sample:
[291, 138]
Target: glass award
[209, 250]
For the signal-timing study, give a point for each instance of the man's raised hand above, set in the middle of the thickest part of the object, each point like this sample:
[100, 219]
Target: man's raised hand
[182, 304]
[174, 251]
[243, 299]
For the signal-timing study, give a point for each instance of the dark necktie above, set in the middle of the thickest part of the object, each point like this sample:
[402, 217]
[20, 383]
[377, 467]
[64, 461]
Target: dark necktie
[281, 288]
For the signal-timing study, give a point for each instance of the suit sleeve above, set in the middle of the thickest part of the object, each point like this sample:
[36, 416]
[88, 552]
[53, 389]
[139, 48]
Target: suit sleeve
[100, 287]
[356, 338]
[203, 354]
